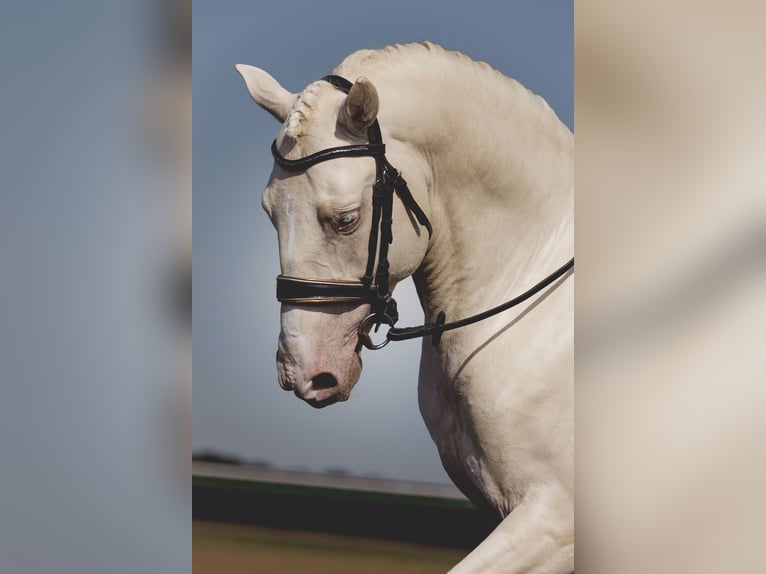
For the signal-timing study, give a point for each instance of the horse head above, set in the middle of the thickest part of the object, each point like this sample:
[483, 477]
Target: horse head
[323, 217]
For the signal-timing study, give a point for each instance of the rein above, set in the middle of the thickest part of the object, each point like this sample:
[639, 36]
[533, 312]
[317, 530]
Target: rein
[373, 288]
[436, 329]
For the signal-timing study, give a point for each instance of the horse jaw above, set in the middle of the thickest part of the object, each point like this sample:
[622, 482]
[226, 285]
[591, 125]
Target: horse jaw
[318, 353]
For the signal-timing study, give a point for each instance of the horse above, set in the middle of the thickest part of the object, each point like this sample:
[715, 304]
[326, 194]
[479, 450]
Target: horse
[489, 170]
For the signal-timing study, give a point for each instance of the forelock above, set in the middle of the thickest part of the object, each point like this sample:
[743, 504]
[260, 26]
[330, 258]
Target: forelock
[306, 103]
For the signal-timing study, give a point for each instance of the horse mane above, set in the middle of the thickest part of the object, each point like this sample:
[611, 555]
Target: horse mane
[416, 55]
[414, 58]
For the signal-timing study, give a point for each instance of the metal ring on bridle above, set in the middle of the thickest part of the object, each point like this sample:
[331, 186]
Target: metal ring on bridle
[366, 325]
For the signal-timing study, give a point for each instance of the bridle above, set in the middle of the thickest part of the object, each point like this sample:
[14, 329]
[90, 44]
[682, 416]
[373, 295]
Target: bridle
[373, 287]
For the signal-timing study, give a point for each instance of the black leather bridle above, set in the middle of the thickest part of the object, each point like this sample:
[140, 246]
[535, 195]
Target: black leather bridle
[373, 287]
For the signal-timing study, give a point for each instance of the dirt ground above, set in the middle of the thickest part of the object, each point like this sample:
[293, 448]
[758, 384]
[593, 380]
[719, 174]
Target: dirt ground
[234, 549]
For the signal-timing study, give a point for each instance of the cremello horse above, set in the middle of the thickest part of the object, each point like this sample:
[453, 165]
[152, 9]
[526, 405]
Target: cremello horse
[492, 166]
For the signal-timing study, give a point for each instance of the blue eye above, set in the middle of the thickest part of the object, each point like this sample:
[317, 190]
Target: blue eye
[346, 222]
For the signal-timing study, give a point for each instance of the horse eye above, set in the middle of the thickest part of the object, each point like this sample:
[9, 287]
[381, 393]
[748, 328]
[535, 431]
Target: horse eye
[346, 222]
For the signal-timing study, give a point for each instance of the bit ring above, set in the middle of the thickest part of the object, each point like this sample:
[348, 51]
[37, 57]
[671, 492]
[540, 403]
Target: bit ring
[366, 325]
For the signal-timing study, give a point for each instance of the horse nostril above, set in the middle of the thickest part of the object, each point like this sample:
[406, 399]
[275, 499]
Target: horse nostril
[324, 381]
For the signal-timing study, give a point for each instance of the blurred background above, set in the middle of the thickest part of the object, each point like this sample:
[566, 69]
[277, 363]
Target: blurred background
[95, 291]
[671, 246]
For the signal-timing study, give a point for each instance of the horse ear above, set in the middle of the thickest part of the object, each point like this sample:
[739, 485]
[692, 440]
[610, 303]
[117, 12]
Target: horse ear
[360, 107]
[266, 91]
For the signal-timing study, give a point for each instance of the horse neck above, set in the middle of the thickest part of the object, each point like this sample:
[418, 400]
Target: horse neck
[501, 189]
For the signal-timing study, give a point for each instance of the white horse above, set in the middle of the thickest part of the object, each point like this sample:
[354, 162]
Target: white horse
[492, 167]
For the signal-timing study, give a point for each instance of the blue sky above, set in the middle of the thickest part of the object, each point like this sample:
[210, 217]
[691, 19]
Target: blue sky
[238, 407]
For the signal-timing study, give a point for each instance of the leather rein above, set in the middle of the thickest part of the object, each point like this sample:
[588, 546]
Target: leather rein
[373, 288]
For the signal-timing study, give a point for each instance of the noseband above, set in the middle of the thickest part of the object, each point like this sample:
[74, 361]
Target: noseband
[373, 288]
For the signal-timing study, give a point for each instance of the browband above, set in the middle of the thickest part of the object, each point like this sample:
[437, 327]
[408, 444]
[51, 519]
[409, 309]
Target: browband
[304, 163]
